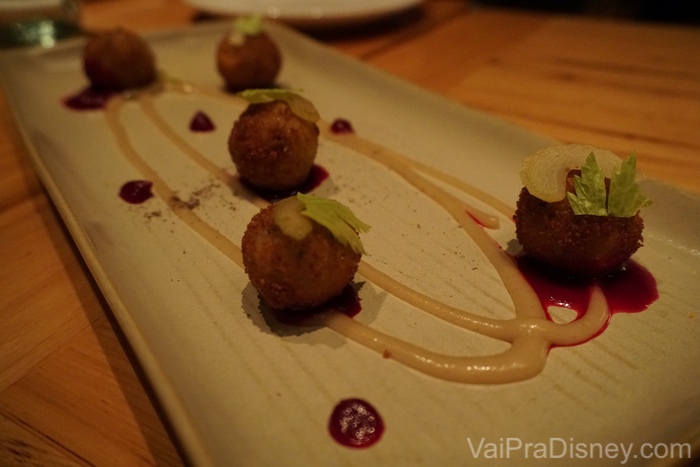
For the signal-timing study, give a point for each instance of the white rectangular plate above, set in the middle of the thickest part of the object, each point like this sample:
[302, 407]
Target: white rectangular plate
[241, 390]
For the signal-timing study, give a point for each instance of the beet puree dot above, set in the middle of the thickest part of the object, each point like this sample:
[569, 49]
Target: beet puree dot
[201, 122]
[88, 99]
[136, 191]
[355, 423]
[340, 125]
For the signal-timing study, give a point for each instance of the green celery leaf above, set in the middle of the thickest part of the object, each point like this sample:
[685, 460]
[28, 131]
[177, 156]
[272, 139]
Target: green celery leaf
[626, 198]
[299, 104]
[590, 196]
[248, 25]
[337, 218]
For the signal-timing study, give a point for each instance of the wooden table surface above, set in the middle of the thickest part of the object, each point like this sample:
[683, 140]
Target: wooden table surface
[71, 390]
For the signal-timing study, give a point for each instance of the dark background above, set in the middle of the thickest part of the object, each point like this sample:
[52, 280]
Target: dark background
[669, 11]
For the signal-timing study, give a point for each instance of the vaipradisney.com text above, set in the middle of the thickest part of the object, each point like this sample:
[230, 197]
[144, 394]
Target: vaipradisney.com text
[561, 448]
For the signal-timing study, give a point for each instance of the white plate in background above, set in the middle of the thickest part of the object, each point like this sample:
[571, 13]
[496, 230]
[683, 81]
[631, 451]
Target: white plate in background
[308, 13]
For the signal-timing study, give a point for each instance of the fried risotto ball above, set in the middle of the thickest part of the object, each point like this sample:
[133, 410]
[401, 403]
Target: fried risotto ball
[575, 245]
[118, 59]
[293, 274]
[248, 61]
[273, 148]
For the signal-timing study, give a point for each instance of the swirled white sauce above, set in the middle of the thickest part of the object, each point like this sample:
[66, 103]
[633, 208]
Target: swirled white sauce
[529, 332]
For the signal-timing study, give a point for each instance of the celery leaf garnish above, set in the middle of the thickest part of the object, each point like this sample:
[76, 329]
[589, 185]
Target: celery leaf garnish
[590, 196]
[299, 104]
[626, 198]
[337, 218]
[248, 25]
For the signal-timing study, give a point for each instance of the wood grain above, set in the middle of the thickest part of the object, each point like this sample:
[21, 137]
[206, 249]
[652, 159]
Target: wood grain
[575, 80]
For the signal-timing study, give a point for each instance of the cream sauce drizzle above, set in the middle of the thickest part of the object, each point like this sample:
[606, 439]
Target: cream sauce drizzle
[529, 332]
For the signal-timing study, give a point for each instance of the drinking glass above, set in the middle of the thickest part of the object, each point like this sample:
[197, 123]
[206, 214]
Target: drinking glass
[37, 22]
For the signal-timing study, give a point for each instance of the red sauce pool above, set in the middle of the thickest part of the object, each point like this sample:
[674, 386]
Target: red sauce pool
[88, 99]
[317, 175]
[341, 126]
[631, 289]
[347, 302]
[136, 191]
[355, 423]
[201, 123]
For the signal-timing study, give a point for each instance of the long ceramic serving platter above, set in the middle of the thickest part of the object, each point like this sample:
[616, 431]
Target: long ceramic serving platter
[242, 389]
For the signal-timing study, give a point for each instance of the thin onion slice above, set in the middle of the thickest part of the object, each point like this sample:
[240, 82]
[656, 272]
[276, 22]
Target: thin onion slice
[544, 172]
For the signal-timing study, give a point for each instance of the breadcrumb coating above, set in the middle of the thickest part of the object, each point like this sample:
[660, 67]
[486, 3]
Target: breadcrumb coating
[295, 275]
[273, 148]
[118, 59]
[575, 245]
[254, 63]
